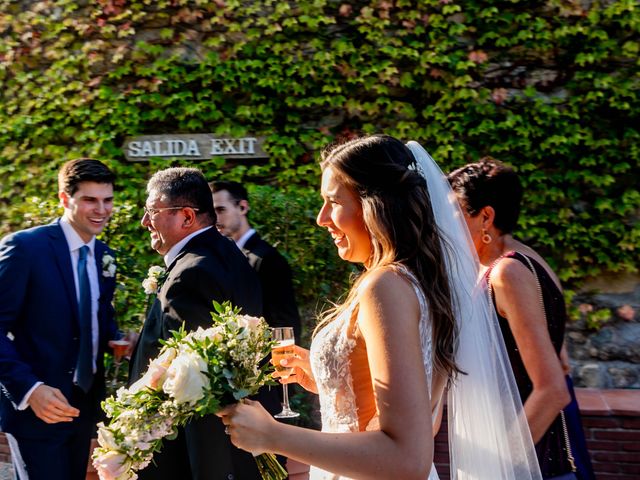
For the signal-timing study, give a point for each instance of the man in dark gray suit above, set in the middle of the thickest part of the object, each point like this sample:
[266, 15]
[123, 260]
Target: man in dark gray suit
[231, 202]
[201, 266]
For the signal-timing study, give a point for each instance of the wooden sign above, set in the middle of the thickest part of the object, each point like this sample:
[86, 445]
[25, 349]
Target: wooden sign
[200, 146]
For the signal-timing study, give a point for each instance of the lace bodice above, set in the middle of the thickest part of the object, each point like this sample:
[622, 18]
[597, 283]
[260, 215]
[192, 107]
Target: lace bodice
[331, 363]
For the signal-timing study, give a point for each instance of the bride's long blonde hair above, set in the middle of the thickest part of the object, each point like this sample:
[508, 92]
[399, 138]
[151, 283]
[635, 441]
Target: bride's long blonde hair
[396, 210]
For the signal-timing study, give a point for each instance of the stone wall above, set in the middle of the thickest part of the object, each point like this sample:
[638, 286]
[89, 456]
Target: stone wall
[604, 344]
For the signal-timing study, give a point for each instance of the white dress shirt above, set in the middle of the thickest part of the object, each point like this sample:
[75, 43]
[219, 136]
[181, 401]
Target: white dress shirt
[242, 241]
[177, 248]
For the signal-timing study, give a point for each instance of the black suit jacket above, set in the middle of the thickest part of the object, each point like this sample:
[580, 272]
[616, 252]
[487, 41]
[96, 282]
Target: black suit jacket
[279, 304]
[208, 268]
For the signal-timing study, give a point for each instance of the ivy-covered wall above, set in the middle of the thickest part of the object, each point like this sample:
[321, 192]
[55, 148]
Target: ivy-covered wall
[551, 87]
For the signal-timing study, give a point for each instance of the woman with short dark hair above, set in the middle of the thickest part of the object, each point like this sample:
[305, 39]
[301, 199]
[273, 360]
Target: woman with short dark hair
[529, 302]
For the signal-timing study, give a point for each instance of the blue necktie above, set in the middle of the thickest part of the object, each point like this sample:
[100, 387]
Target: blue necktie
[84, 369]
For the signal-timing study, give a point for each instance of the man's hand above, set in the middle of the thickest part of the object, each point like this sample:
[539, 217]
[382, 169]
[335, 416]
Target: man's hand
[50, 405]
[124, 347]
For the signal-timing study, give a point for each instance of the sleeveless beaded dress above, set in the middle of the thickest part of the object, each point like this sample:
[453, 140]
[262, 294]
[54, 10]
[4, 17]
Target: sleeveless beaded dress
[339, 364]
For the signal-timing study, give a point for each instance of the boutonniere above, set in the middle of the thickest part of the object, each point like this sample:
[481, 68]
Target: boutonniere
[108, 266]
[155, 277]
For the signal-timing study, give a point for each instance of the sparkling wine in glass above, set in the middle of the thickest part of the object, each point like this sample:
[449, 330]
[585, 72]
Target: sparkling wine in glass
[120, 348]
[283, 349]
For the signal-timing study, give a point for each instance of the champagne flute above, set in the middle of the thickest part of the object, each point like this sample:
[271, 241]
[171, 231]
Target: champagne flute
[120, 348]
[283, 349]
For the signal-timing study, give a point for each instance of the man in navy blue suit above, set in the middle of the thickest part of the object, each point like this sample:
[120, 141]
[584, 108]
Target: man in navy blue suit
[56, 318]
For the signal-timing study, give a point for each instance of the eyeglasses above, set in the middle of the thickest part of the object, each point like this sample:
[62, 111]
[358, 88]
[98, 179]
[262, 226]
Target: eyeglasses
[152, 212]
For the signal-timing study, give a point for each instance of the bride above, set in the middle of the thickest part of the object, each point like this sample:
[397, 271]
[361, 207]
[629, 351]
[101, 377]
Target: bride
[415, 326]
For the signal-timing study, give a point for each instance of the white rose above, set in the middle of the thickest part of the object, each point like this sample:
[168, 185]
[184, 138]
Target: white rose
[197, 335]
[248, 322]
[185, 379]
[150, 285]
[106, 438]
[213, 333]
[111, 270]
[156, 374]
[155, 271]
[108, 266]
[112, 466]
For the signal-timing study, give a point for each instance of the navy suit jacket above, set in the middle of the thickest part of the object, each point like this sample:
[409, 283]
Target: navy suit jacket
[39, 309]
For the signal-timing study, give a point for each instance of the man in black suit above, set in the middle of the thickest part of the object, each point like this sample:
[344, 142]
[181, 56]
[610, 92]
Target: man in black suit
[201, 266]
[231, 202]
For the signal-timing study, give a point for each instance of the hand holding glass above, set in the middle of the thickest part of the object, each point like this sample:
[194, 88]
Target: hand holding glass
[283, 349]
[120, 348]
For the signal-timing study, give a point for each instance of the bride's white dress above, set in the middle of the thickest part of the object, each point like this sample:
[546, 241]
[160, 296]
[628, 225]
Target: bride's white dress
[336, 359]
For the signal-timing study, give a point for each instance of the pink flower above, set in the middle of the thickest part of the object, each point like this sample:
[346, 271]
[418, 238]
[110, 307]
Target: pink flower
[478, 56]
[585, 308]
[499, 95]
[409, 24]
[345, 10]
[626, 312]
[157, 372]
[111, 466]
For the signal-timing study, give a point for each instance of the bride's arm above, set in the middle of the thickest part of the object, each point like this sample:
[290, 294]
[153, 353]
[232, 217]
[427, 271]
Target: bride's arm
[403, 447]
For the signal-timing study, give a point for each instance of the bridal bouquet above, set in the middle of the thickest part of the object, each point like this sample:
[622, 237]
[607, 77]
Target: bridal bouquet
[195, 374]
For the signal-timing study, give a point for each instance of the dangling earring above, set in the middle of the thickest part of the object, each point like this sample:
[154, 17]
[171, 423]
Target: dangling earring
[486, 238]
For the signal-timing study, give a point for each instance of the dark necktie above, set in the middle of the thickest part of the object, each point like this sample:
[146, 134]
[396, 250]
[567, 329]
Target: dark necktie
[84, 369]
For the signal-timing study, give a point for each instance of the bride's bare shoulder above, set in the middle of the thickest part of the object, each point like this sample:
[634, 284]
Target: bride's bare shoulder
[389, 309]
[388, 284]
[388, 276]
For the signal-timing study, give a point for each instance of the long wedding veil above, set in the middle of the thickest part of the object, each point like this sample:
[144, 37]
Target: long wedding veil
[489, 438]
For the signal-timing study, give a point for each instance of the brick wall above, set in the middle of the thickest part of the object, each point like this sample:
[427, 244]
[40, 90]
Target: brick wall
[5, 454]
[611, 420]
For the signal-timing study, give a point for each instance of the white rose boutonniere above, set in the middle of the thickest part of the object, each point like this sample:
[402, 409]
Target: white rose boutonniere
[154, 279]
[108, 266]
